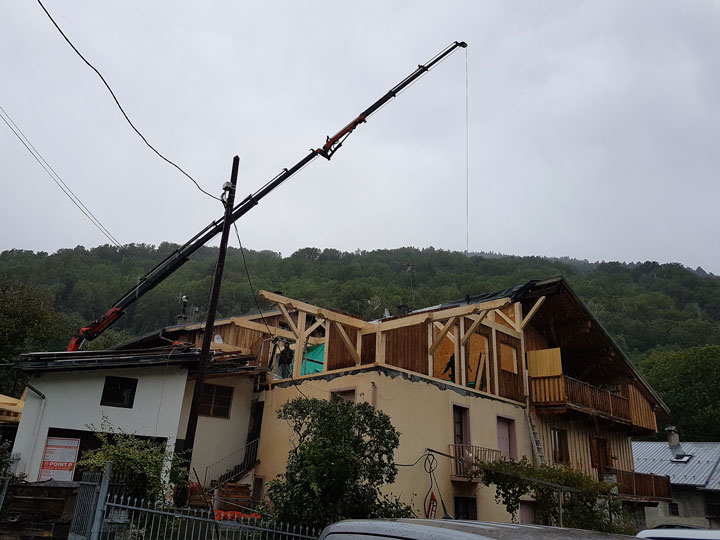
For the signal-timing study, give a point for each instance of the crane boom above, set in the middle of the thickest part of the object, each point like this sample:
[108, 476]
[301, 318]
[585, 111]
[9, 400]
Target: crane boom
[176, 259]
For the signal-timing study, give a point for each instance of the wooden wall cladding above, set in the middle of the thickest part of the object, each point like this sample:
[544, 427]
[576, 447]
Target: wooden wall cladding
[367, 355]
[579, 434]
[407, 348]
[534, 340]
[337, 354]
[641, 412]
[511, 380]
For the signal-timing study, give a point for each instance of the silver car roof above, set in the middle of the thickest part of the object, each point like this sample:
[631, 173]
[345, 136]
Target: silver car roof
[435, 529]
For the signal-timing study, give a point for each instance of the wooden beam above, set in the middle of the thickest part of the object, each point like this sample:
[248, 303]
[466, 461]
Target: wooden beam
[314, 327]
[348, 344]
[442, 334]
[460, 354]
[507, 319]
[290, 322]
[280, 300]
[532, 312]
[273, 330]
[450, 335]
[470, 331]
[495, 362]
[431, 360]
[497, 326]
[430, 316]
[380, 347]
[299, 345]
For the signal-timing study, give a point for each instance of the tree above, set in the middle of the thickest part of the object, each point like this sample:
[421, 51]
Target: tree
[688, 382]
[28, 322]
[342, 455]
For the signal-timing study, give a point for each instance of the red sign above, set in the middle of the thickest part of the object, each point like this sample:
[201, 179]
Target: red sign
[59, 459]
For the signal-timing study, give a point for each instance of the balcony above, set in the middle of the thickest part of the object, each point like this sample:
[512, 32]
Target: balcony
[464, 455]
[633, 485]
[558, 393]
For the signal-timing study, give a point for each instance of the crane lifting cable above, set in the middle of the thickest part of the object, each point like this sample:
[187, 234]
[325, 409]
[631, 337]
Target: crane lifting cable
[176, 259]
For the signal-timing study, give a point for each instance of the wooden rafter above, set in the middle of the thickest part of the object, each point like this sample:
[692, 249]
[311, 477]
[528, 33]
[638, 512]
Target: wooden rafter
[326, 314]
[431, 316]
[290, 322]
[442, 334]
[348, 344]
[272, 330]
[507, 319]
[315, 325]
[470, 331]
[532, 312]
[450, 335]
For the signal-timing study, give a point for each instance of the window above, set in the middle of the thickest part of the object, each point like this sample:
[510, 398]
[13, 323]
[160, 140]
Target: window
[466, 508]
[560, 450]
[215, 401]
[508, 358]
[673, 509]
[461, 429]
[343, 394]
[119, 392]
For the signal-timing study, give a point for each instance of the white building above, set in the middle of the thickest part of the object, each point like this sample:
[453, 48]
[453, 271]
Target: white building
[145, 393]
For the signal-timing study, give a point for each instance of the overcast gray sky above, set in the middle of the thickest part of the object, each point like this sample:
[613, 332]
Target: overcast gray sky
[594, 126]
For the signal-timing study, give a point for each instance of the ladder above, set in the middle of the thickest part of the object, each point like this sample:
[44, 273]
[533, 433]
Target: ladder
[535, 436]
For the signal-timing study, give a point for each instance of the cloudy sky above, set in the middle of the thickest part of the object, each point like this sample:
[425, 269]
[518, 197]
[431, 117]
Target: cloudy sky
[593, 126]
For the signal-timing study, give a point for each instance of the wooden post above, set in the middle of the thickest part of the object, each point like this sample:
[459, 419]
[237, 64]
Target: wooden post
[495, 362]
[460, 354]
[191, 428]
[431, 364]
[380, 347]
[299, 345]
[328, 326]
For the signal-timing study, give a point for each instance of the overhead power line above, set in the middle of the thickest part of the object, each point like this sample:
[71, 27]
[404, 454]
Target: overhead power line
[60, 183]
[117, 102]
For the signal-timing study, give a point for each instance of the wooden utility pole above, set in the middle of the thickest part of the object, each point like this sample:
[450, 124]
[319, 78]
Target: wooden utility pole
[228, 201]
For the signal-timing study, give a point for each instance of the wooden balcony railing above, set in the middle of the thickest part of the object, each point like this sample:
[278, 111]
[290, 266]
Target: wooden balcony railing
[564, 390]
[641, 486]
[469, 454]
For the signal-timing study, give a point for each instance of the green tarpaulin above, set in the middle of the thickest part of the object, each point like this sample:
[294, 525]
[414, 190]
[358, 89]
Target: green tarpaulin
[313, 361]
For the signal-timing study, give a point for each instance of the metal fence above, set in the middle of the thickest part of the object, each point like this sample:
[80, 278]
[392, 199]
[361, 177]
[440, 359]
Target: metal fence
[133, 519]
[4, 483]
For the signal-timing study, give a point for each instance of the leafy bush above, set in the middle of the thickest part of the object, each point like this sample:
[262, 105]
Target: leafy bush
[586, 503]
[140, 461]
[342, 454]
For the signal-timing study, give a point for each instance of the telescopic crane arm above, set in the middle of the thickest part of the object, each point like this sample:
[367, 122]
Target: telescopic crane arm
[181, 255]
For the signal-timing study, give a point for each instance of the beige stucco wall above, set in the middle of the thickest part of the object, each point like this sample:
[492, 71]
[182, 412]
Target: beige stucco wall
[422, 412]
[691, 507]
[218, 437]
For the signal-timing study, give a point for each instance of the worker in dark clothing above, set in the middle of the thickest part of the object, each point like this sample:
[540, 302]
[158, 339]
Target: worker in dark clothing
[450, 366]
[285, 361]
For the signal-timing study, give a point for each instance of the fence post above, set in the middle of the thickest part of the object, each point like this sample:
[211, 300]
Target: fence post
[100, 506]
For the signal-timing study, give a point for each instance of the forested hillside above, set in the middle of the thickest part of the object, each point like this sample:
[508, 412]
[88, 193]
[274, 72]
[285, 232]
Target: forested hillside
[648, 308]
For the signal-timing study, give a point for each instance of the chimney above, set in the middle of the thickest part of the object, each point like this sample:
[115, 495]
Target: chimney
[673, 439]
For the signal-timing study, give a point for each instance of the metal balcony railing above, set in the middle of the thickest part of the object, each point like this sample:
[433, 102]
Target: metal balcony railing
[465, 455]
[232, 466]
